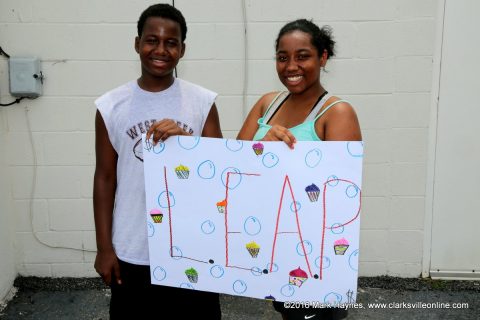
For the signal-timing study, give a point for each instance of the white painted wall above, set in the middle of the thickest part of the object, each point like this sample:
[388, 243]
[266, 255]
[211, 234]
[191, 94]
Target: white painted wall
[7, 262]
[384, 67]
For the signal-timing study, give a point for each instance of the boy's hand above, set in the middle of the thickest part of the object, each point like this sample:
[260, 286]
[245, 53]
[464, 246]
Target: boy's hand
[106, 265]
[163, 129]
[279, 133]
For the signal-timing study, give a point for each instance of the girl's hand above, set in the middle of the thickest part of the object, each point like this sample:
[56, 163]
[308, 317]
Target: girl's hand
[279, 133]
[163, 129]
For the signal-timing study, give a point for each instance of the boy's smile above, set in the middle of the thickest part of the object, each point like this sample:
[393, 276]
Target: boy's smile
[160, 48]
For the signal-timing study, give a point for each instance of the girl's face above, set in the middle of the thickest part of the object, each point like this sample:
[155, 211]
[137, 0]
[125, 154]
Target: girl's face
[298, 62]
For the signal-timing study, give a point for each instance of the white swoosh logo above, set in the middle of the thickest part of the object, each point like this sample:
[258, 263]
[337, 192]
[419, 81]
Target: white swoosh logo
[309, 317]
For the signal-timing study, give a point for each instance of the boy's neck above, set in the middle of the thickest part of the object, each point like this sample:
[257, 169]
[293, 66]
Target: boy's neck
[155, 84]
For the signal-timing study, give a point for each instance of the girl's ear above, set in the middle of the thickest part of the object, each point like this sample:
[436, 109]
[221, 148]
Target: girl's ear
[324, 58]
[137, 44]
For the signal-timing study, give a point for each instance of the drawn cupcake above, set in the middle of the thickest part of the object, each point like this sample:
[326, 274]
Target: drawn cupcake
[313, 192]
[340, 246]
[156, 215]
[221, 206]
[192, 275]
[182, 172]
[258, 148]
[253, 248]
[297, 277]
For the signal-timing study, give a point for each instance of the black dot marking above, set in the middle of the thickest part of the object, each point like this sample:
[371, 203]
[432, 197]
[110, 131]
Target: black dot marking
[315, 276]
[211, 261]
[265, 271]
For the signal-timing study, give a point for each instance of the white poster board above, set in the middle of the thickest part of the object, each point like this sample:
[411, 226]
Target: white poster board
[255, 219]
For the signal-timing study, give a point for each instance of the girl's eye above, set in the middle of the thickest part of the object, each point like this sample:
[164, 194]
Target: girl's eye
[281, 58]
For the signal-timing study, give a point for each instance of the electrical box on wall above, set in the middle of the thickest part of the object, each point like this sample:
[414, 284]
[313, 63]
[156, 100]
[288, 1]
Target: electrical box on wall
[26, 79]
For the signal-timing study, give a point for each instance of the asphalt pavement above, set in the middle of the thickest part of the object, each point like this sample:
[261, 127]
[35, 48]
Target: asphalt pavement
[378, 298]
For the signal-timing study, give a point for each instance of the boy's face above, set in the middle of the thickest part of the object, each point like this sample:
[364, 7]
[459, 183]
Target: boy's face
[160, 47]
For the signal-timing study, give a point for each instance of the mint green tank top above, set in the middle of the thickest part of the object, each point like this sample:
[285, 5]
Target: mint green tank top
[305, 131]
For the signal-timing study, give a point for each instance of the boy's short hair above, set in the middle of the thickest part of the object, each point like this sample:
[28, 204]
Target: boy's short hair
[162, 10]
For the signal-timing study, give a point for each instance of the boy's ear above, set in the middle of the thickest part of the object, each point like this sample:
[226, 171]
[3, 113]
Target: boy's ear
[183, 49]
[137, 44]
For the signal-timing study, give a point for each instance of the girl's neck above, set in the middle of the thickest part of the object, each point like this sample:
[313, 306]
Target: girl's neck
[311, 93]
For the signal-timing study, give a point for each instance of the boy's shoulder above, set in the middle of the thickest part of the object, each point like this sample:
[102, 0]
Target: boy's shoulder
[121, 92]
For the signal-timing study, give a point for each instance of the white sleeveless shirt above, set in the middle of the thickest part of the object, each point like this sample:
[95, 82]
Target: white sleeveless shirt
[128, 111]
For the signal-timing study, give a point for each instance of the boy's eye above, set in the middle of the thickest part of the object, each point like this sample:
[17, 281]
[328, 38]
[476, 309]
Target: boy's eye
[151, 41]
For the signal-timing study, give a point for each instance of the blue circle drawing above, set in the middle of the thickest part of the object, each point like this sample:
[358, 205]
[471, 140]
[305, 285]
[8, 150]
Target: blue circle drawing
[337, 228]
[274, 267]
[150, 229]
[206, 169]
[208, 227]
[239, 286]
[287, 290]
[326, 262]
[234, 145]
[352, 191]
[270, 160]
[292, 206]
[217, 271]
[159, 273]
[252, 226]
[158, 148]
[187, 142]
[308, 248]
[163, 201]
[313, 158]
[353, 260]
[333, 298]
[333, 180]
[355, 148]
[233, 179]
[176, 253]
[186, 285]
[256, 271]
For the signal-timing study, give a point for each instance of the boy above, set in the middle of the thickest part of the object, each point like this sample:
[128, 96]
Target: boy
[163, 105]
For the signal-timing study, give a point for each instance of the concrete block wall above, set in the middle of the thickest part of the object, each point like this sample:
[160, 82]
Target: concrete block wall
[383, 66]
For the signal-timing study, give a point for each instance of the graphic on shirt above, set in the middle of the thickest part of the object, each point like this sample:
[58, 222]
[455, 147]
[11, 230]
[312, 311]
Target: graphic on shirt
[136, 131]
[255, 228]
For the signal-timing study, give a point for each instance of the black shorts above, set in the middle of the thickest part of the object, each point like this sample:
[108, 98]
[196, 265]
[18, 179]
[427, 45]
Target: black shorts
[137, 298]
[310, 313]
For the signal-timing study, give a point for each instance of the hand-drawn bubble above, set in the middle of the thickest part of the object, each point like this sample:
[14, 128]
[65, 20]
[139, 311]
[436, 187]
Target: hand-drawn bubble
[351, 191]
[164, 201]
[217, 271]
[234, 178]
[252, 226]
[208, 227]
[256, 271]
[337, 228]
[313, 158]
[150, 229]
[353, 260]
[186, 285]
[176, 253]
[308, 248]
[287, 290]
[159, 273]
[274, 267]
[188, 142]
[270, 160]
[234, 145]
[326, 262]
[206, 169]
[297, 204]
[355, 148]
[239, 286]
[333, 180]
[333, 298]
[158, 148]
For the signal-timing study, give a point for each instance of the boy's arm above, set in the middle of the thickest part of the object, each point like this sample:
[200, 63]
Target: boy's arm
[104, 186]
[212, 124]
